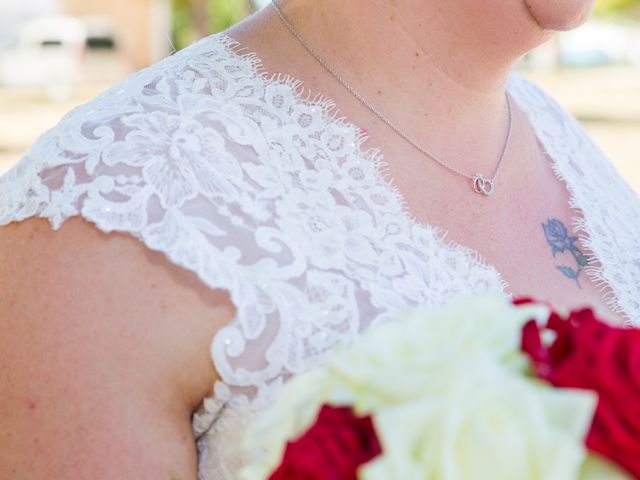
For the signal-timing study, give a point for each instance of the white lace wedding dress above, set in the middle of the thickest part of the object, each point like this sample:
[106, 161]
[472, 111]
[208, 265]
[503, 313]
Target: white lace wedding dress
[266, 193]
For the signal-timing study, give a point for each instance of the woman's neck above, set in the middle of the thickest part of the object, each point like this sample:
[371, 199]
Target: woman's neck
[427, 64]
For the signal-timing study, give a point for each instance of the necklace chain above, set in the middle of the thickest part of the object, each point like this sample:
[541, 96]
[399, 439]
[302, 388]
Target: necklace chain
[481, 184]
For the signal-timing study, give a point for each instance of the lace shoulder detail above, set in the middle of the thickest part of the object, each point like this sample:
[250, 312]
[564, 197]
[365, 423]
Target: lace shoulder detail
[608, 220]
[260, 190]
[160, 156]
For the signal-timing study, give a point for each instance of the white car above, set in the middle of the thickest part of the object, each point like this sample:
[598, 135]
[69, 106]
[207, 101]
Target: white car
[44, 52]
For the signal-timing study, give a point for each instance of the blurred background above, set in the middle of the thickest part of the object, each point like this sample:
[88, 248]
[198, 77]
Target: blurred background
[56, 54]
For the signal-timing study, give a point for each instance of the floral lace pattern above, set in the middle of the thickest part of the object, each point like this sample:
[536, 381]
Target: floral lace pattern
[262, 191]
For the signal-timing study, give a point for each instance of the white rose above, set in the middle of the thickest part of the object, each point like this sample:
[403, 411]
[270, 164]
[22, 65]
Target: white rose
[406, 359]
[486, 421]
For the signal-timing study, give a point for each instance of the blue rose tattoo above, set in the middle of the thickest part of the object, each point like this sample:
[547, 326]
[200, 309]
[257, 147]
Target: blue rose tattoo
[558, 238]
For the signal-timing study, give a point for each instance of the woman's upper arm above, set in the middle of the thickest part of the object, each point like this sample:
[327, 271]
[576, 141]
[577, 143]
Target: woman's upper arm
[104, 355]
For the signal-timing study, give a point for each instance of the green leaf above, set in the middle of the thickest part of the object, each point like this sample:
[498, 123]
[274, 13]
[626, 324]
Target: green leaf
[583, 260]
[569, 272]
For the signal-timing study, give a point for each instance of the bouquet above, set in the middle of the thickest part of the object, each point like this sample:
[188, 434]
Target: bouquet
[480, 389]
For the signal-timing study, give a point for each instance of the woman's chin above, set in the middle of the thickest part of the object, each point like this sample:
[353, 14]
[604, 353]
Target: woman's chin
[560, 15]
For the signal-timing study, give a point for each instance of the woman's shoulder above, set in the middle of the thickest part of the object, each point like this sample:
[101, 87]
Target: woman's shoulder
[180, 157]
[162, 132]
[159, 156]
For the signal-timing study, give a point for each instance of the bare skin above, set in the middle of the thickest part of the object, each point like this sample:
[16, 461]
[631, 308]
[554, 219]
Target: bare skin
[394, 60]
[105, 355]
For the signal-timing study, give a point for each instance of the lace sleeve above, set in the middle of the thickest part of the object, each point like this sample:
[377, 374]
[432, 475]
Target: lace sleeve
[230, 175]
[163, 156]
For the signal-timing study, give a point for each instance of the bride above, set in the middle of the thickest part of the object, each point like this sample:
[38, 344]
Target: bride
[176, 249]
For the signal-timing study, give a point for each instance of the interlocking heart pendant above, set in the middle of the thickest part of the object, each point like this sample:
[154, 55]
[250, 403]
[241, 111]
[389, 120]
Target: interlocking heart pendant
[483, 186]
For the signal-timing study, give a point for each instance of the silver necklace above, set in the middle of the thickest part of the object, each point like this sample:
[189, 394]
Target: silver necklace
[481, 184]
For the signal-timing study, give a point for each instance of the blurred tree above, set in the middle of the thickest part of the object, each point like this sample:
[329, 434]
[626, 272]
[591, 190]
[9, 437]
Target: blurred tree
[618, 7]
[193, 19]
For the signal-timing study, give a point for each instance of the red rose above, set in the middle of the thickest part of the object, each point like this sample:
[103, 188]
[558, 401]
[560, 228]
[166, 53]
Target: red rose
[332, 449]
[590, 354]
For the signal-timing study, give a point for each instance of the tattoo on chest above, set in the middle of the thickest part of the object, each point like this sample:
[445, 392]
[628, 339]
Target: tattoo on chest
[561, 242]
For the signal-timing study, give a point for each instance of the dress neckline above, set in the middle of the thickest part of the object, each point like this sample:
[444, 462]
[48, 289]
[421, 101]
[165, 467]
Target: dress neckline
[303, 95]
